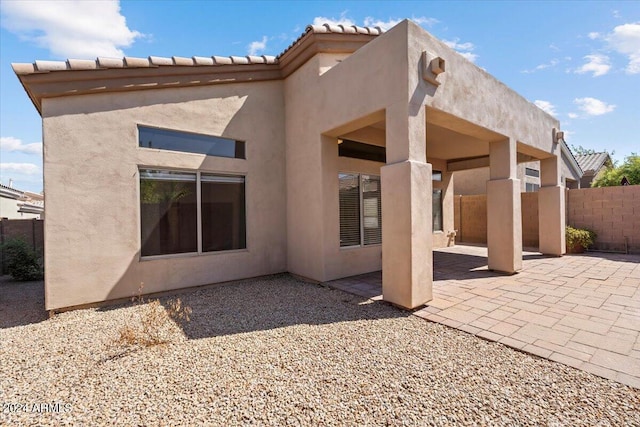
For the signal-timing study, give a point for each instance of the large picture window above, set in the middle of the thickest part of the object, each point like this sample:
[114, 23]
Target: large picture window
[360, 210]
[170, 205]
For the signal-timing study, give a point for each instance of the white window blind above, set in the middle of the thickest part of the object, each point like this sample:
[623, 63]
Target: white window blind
[360, 210]
[349, 194]
[371, 210]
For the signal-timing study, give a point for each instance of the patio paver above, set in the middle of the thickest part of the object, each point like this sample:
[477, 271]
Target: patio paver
[579, 310]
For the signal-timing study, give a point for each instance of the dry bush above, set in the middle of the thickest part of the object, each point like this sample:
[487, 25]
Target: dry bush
[152, 323]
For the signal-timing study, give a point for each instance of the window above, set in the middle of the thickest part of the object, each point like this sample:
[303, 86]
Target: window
[360, 210]
[223, 213]
[358, 150]
[436, 175]
[436, 210]
[532, 172]
[529, 187]
[170, 205]
[164, 139]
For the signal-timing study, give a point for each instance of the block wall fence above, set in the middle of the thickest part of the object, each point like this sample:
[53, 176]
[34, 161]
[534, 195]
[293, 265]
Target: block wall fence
[29, 230]
[612, 212]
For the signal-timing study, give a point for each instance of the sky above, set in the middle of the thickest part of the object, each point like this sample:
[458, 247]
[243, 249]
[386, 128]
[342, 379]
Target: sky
[577, 60]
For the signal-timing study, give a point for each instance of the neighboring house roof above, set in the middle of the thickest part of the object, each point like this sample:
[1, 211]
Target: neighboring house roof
[10, 192]
[592, 163]
[573, 161]
[44, 79]
[30, 202]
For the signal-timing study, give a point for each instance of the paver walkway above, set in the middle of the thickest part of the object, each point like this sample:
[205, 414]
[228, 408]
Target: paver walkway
[580, 310]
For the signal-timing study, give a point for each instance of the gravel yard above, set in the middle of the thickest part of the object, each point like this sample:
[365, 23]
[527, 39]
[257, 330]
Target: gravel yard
[279, 351]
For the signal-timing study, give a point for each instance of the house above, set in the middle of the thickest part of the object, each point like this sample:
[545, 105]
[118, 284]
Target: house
[473, 181]
[593, 165]
[332, 159]
[16, 204]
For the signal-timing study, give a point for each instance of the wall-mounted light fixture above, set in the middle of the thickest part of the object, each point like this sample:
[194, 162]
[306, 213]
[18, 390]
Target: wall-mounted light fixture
[558, 136]
[432, 66]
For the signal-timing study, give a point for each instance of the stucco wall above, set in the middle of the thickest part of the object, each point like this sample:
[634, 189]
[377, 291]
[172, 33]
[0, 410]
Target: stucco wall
[91, 161]
[317, 101]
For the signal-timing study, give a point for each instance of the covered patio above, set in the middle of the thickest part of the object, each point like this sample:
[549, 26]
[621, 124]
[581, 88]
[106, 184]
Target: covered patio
[579, 310]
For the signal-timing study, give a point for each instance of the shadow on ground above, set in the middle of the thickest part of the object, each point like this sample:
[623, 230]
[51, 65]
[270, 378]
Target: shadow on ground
[21, 303]
[274, 302]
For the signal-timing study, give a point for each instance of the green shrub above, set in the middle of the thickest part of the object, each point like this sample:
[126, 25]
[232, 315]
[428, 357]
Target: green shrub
[23, 263]
[579, 236]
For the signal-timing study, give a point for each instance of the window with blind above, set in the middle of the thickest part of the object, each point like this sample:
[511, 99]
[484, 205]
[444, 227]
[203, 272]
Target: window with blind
[360, 210]
[170, 206]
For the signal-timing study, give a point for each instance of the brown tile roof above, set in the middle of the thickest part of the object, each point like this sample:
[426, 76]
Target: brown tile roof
[195, 61]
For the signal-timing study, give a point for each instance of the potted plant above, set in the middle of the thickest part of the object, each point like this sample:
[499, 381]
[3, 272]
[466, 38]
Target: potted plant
[578, 239]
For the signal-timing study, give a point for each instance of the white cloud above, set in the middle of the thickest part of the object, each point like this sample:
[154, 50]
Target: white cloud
[342, 20]
[593, 35]
[625, 39]
[593, 107]
[75, 28]
[385, 25]
[541, 67]
[9, 143]
[21, 168]
[546, 106]
[572, 115]
[258, 46]
[597, 64]
[464, 49]
[423, 20]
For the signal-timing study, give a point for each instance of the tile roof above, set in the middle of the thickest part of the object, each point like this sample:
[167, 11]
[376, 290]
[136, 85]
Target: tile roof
[195, 61]
[592, 162]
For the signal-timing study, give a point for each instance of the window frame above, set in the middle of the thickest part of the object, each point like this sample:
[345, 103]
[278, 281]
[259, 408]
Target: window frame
[531, 172]
[242, 143]
[198, 181]
[362, 244]
[441, 205]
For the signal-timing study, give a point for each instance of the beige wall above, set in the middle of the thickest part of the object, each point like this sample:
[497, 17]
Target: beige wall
[612, 212]
[474, 181]
[290, 127]
[441, 239]
[317, 101]
[91, 156]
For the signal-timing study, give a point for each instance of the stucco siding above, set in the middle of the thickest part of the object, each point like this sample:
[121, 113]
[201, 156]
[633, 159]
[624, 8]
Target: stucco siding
[91, 156]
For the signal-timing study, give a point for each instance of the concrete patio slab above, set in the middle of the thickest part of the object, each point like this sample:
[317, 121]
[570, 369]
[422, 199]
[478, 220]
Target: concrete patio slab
[579, 310]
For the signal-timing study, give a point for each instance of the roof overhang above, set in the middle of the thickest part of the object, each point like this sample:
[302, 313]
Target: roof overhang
[51, 79]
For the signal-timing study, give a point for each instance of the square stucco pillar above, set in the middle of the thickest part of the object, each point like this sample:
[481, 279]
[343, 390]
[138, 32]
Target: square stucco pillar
[551, 208]
[504, 217]
[407, 240]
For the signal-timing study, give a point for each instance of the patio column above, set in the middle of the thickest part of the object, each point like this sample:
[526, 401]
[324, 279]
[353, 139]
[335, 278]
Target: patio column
[504, 220]
[551, 208]
[407, 259]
